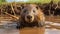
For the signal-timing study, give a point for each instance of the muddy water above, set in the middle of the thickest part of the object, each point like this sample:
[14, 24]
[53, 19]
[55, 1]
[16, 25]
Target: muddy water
[22, 31]
[9, 31]
[32, 31]
[28, 31]
[39, 31]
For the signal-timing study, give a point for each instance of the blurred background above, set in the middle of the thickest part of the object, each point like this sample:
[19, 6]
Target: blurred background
[39, 1]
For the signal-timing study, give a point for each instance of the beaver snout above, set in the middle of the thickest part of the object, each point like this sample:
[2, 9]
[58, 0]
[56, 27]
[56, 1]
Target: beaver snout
[29, 17]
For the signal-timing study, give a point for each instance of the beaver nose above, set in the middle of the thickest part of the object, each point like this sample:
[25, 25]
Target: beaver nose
[29, 17]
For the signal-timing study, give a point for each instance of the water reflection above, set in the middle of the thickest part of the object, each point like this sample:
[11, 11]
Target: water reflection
[15, 31]
[9, 31]
[10, 28]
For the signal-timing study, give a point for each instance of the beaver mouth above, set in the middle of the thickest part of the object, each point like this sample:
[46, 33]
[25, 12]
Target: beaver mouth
[29, 20]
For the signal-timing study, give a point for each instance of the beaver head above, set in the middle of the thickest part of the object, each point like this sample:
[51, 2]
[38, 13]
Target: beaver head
[31, 13]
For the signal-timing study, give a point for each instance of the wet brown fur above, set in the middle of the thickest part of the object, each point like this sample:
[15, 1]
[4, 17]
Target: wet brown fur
[39, 18]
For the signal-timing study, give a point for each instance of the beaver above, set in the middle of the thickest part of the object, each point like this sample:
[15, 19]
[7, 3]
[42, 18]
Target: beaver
[31, 15]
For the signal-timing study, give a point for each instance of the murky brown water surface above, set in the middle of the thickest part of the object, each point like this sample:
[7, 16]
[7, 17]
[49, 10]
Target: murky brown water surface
[28, 31]
[32, 31]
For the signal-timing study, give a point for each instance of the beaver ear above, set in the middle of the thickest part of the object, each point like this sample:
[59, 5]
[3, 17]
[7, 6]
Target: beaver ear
[22, 6]
[37, 7]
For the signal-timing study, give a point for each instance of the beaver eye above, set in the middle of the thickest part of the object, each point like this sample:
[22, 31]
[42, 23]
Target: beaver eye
[25, 11]
[34, 11]
[36, 7]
